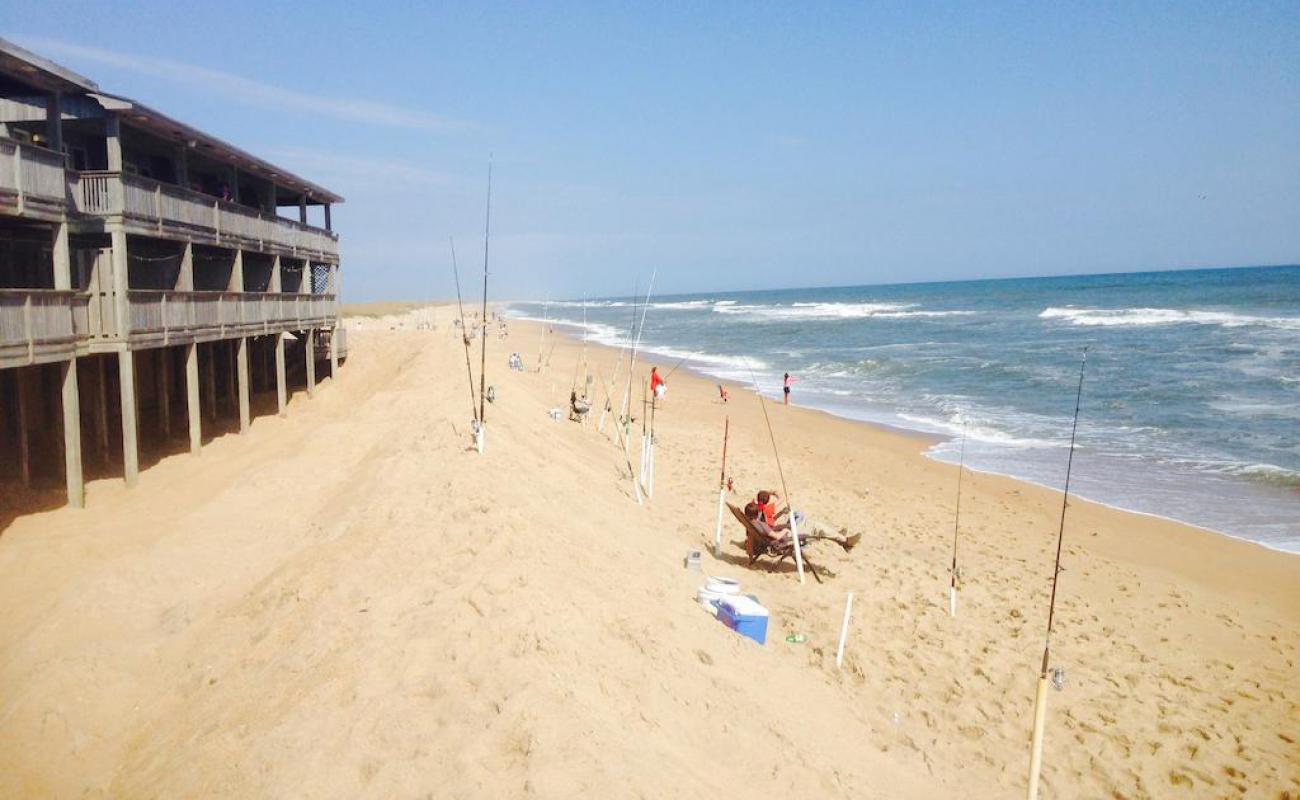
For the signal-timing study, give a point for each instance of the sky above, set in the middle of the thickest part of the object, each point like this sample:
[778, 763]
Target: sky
[735, 146]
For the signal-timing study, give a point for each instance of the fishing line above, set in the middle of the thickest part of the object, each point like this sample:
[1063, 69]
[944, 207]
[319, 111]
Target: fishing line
[1040, 696]
[794, 529]
[954, 574]
[482, 371]
[464, 335]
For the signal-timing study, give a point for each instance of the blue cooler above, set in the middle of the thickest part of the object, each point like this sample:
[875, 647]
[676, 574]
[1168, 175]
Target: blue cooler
[744, 615]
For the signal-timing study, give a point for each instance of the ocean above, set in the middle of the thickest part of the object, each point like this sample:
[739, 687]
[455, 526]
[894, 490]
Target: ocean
[1191, 401]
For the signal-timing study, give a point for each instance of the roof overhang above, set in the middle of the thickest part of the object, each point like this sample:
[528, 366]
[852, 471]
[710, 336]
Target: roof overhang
[40, 72]
[140, 116]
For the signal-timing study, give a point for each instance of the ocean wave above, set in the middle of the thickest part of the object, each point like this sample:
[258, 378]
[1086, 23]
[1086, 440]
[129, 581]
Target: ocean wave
[978, 433]
[1270, 474]
[705, 360]
[608, 335]
[683, 304]
[1163, 316]
[831, 311]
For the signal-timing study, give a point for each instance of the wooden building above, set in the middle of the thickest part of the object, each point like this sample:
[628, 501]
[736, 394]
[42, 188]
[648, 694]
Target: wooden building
[149, 283]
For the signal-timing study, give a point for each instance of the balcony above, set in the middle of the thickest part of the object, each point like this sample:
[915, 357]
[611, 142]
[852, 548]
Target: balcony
[38, 326]
[169, 317]
[32, 181]
[154, 208]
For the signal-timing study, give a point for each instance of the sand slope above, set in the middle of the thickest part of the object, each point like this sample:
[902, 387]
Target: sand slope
[347, 603]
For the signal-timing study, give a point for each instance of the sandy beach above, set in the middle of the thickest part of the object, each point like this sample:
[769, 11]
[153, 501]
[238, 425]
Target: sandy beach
[348, 602]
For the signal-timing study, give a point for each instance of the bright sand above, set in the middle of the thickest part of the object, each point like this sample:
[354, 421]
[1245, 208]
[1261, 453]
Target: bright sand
[346, 603]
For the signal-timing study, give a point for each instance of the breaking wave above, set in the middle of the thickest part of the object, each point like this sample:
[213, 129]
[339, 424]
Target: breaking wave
[1163, 316]
[832, 311]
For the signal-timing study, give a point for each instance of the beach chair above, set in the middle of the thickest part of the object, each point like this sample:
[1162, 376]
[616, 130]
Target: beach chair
[758, 545]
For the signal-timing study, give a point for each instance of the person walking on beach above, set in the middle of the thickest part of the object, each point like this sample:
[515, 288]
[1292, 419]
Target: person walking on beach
[785, 386]
[658, 386]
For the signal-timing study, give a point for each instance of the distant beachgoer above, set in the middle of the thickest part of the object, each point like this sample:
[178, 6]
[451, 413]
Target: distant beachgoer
[224, 191]
[657, 384]
[722, 392]
[786, 387]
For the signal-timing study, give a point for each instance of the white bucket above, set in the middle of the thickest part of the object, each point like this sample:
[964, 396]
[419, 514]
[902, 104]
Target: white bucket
[722, 585]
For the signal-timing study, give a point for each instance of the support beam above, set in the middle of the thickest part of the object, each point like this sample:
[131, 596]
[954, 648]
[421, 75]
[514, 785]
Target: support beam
[329, 226]
[62, 257]
[232, 378]
[54, 121]
[236, 283]
[165, 391]
[309, 348]
[334, 353]
[302, 208]
[185, 280]
[192, 397]
[121, 278]
[182, 163]
[130, 416]
[211, 384]
[281, 390]
[72, 436]
[274, 288]
[113, 142]
[24, 411]
[101, 407]
[241, 357]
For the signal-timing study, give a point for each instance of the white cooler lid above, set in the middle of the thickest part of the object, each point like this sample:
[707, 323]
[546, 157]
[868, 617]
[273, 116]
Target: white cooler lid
[744, 605]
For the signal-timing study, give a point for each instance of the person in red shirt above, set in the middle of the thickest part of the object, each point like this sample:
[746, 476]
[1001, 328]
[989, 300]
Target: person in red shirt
[767, 506]
[777, 533]
[657, 385]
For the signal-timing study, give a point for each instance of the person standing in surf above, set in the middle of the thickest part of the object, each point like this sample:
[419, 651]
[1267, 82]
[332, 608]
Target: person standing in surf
[785, 386]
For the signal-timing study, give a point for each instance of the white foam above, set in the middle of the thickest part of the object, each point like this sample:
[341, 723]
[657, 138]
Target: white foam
[683, 304]
[610, 336]
[813, 311]
[978, 433]
[1163, 316]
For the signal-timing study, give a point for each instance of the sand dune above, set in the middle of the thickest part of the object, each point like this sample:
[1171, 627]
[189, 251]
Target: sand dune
[347, 603]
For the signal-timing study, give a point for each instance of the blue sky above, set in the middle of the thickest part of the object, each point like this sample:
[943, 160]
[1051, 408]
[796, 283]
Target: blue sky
[743, 145]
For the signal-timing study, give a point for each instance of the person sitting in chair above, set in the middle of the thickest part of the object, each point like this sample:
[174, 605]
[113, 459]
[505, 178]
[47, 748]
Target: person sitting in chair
[578, 407]
[765, 503]
[777, 532]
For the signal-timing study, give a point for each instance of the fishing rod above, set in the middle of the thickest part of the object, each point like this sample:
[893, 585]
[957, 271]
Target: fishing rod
[722, 488]
[674, 369]
[953, 572]
[627, 393]
[654, 405]
[645, 444]
[636, 343]
[546, 323]
[618, 364]
[482, 371]
[469, 370]
[794, 525]
[1040, 697]
[581, 363]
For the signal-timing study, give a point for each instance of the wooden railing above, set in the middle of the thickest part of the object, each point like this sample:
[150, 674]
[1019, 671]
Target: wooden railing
[31, 177]
[169, 313]
[41, 324]
[163, 205]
